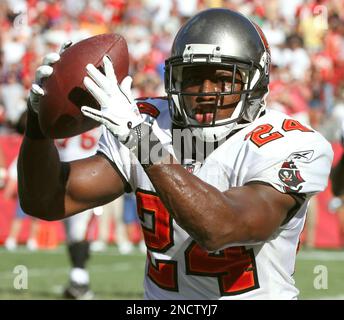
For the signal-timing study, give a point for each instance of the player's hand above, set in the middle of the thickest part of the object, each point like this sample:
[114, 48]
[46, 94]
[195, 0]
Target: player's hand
[119, 112]
[44, 71]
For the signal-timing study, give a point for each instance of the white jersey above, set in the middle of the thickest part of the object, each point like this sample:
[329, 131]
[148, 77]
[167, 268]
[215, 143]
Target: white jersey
[78, 147]
[275, 150]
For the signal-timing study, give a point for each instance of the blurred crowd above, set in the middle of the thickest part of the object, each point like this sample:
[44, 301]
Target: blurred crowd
[306, 38]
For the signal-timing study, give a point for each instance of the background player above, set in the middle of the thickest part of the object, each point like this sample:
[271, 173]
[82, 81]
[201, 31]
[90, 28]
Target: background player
[337, 177]
[76, 227]
[3, 171]
[10, 191]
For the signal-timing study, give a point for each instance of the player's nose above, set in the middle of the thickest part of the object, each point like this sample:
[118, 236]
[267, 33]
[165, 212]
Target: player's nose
[208, 86]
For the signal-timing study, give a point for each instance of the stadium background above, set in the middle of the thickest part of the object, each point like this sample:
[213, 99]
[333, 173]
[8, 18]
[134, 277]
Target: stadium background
[307, 43]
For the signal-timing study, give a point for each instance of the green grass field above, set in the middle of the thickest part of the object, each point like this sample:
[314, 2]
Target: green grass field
[120, 277]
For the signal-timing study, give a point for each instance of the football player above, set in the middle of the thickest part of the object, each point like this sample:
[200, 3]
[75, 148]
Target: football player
[3, 171]
[222, 183]
[10, 191]
[70, 149]
[337, 177]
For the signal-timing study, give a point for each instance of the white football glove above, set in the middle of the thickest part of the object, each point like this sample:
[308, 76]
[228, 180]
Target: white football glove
[44, 71]
[119, 112]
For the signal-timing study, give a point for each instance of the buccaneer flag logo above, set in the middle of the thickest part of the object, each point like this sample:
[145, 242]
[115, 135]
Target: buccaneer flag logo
[290, 175]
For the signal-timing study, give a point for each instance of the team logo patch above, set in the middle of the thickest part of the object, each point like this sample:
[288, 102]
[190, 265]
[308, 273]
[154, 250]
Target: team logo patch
[290, 175]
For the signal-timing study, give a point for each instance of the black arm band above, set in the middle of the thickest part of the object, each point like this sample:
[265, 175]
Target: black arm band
[33, 129]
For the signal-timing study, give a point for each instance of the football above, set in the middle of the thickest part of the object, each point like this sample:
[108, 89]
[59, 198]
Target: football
[60, 115]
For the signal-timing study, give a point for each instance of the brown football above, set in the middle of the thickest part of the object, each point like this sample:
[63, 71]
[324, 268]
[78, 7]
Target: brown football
[65, 93]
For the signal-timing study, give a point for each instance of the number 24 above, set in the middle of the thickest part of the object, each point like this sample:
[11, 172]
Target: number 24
[262, 134]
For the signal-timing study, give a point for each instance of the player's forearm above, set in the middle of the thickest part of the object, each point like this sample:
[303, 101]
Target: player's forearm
[40, 178]
[199, 208]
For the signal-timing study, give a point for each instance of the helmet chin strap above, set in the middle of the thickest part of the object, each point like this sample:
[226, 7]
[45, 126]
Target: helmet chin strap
[213, 134]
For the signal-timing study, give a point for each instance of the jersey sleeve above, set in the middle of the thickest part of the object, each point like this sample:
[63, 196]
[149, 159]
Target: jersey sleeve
[119, 155]
[300, 164]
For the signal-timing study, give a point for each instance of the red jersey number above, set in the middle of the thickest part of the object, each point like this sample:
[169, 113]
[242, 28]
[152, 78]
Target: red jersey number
[234, 267]
[156, 222]
[158, 233]
[87, 141]
[262, 134]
